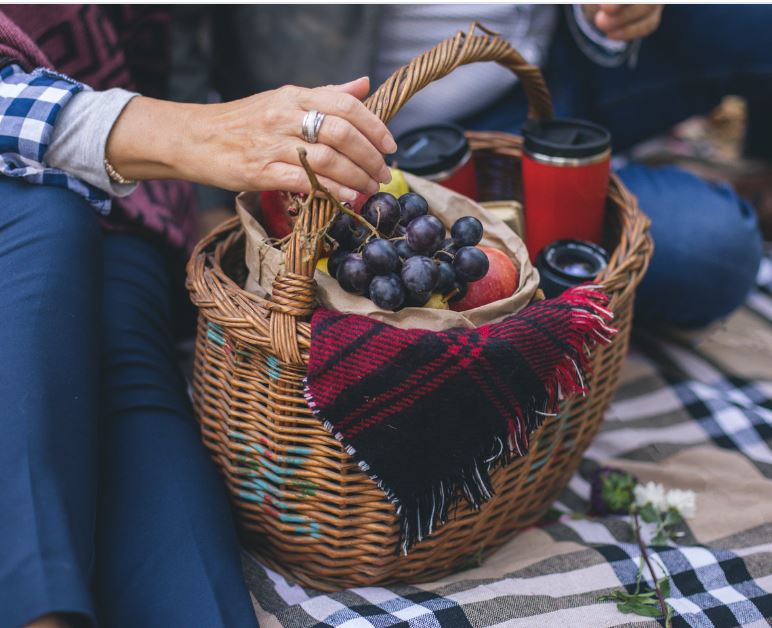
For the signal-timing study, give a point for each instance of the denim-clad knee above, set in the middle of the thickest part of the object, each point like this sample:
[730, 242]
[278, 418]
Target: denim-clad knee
[707, 246]
[57, 224]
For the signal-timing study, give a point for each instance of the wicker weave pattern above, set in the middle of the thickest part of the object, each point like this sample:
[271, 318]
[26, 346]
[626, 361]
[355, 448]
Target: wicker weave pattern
[305, 508]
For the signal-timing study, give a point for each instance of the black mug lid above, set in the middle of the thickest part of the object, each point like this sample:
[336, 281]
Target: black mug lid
[565, 137]
[573, 260]
[567, 263]
[430, 149]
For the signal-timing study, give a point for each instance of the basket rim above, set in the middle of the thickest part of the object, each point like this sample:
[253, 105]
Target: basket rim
[225, 303]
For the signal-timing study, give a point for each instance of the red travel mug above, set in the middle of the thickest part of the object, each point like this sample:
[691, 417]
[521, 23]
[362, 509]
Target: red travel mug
[440, 153]
[565, 181]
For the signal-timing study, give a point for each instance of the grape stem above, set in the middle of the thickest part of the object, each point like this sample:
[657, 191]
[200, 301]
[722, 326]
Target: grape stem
[447, 297]
[316, 186]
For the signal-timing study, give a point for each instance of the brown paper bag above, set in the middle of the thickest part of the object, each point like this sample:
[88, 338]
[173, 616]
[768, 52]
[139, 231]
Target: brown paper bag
[264, 262]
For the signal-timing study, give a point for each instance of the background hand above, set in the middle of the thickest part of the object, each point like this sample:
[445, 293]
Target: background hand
[624, 22]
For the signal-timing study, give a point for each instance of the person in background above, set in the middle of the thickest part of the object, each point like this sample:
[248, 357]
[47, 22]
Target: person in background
[111, 512]
[636, 69]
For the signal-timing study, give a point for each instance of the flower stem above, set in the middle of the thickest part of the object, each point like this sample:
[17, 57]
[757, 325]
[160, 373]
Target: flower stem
[645, 555]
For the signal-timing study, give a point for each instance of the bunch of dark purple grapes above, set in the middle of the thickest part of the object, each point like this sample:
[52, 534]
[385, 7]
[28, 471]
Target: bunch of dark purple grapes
[403, 256]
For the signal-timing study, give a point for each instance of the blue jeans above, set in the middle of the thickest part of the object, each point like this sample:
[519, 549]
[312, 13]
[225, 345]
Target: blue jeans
[707, 244]
[110, 508]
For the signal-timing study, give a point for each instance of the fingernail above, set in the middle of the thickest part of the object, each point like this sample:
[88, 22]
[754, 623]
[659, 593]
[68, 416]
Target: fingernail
[373, 187]
[347, 194]
[389, 145]
[384, 176]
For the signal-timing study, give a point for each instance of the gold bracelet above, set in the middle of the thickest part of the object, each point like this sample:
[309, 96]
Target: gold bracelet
[115, 175]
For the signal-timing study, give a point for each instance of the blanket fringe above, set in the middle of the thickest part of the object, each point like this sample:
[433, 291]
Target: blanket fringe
[419, 516]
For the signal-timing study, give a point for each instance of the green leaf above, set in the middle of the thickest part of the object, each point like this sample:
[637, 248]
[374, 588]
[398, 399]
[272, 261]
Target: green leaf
[473, 561]
[660, 538]
[649, 514]
[618, 595]
[639, 574]
[673, 517]
[664, 586]
[638, 603]
[616, 489]
[641, 604]
[625, 607]
[643, 609]
[662, 535]
[553, 514]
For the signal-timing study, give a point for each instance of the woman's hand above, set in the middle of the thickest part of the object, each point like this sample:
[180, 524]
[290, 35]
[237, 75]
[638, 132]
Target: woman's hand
[251, 144]
[624, 22]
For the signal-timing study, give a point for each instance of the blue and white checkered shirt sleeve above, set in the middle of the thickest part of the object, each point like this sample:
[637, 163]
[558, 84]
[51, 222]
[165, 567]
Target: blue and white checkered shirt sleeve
[29, 105]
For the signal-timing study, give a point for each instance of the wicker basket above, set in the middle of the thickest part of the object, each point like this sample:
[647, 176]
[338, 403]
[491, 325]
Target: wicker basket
[303, 506]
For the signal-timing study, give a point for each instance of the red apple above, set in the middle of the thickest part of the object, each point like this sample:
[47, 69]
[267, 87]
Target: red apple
[357, 203]
[277, 220]
[499, 283]
[273, 213]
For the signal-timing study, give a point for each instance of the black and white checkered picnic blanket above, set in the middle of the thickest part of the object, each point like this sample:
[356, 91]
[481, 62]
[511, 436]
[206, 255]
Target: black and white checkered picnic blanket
[690, 413]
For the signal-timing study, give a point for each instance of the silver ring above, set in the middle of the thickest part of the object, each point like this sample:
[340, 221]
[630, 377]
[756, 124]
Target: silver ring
[312, 122]
[318, 124]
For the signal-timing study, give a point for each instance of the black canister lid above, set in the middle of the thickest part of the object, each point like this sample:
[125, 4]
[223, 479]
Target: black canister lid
[565, 137]
[431, 149]
[566, 263]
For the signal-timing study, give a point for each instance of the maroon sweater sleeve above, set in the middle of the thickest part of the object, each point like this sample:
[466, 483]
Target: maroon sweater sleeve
[18, 47]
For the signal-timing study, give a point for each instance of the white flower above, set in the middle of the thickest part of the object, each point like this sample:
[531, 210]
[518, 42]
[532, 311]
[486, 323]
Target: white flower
[685, 502]
[650, 493]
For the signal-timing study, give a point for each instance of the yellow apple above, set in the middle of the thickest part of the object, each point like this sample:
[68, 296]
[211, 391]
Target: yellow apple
[397, 186]
[436, 302]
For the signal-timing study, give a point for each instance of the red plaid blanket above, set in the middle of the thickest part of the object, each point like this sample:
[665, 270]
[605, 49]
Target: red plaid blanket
[429, 414]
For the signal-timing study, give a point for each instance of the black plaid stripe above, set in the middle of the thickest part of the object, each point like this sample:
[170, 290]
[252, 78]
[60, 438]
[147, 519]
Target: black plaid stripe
[424, 608]
[724, 394]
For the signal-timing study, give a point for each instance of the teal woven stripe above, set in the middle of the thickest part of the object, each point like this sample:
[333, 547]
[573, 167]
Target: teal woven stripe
[274, 367]
[215, 334]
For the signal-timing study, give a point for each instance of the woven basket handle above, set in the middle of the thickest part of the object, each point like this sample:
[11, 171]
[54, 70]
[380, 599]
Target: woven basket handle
[294, 291]
[448, 55]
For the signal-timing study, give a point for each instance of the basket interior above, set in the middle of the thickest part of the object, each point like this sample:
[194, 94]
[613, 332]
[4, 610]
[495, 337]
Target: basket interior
[233, 262]
[498, 179]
